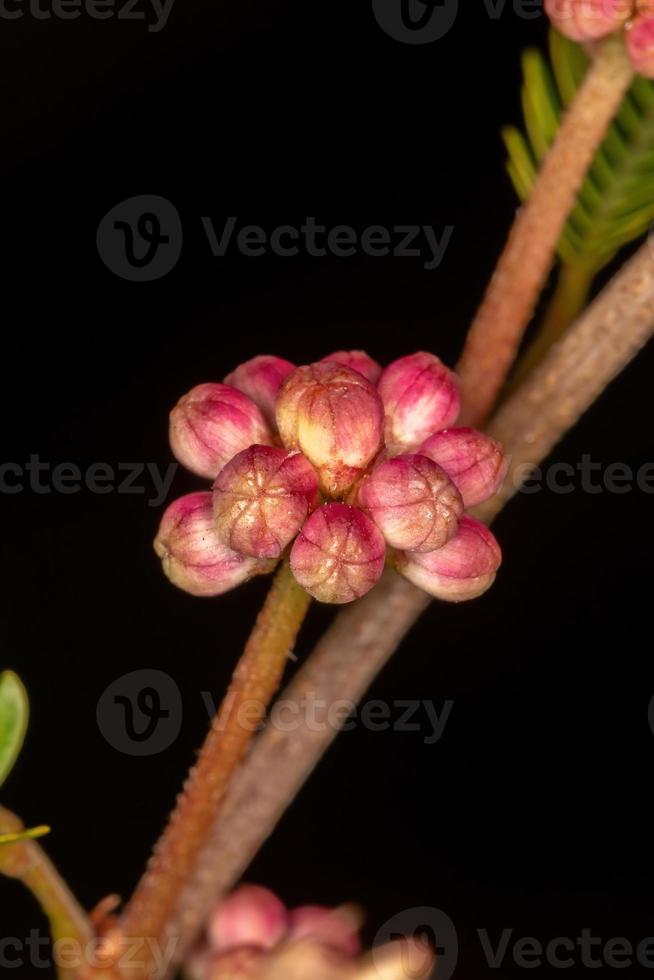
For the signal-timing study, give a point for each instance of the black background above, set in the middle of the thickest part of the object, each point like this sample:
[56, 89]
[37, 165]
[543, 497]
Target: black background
[533, 812]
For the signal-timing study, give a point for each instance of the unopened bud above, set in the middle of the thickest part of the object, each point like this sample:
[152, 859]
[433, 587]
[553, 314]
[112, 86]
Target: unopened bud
[463, 569]
[640, 43]
[260, 379]
[250, 916]
[335, 417]
[474, 461]
[193, 556]
[413, 502]
[262, 498]
[420, 396]
[359, 361]
[339, 554]
[211, 424]
[588, 20]
[337, 928]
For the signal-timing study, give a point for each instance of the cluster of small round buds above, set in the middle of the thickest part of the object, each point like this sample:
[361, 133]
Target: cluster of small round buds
[338, 465]
[591, 20]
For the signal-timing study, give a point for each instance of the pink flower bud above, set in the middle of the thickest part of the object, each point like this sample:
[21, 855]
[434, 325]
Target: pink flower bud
[640, 44]
[262, 498]
[335, 928]
[211, 424]
[475, 462]
[420, 395]
[250, 916]
[464, 569]
[587, 20]
[359, 361]
[335, 417]
[260, 379]
[413, 502]
[194, 558]
[339, 554]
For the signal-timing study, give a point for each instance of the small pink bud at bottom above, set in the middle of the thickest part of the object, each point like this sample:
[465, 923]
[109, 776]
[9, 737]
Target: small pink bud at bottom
[260, 379]
[359, 361]
[640, 44]
[335, 417]
[245, 963]
[250, 916]
[420, 395]
[336, 928]
[193, 557]
[413, 502]
[262, 498]
[588, 20]
[339, 554]
[211, 424]
[464, 569]
[475, 462]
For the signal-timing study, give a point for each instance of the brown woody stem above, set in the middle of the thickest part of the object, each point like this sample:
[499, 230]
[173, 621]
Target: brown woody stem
[364, 636]
[522, 270]
[153, 907]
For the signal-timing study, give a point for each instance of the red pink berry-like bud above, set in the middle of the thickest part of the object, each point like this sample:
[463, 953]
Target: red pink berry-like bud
[588, 20]
[464, 569]
[475, 462]
[413, 502]
[359, 361]
[251, 916]
[262, 498]
[335, 417]
[420, 396]
[211, 424]
[640, 44]
[339, 554]
[260, 379]
[193, 557]
[335, 928]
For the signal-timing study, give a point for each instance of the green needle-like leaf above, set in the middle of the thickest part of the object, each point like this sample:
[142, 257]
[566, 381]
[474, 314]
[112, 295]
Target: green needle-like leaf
[32, 834]
[14, 713]
[616, 202]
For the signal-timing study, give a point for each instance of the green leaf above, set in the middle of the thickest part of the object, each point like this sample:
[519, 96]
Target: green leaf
[32, 834]
[616, 202]
[14, 713]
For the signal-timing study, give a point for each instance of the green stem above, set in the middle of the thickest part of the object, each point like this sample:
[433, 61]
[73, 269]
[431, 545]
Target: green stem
[569, 300]
[150, 914]
[27, 862]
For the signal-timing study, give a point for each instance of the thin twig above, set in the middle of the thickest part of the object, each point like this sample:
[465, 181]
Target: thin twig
[509, 303]
[255, 682]
[28, 862]
[364, 636]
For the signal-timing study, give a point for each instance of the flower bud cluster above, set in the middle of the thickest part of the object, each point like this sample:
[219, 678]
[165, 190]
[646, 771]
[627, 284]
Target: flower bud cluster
[590, 20]
[340, 464]
[252, 925]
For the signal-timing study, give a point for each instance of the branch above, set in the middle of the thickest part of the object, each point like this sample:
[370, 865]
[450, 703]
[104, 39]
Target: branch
[524, 265]
[28, 862]
[175, 859]
[364, 636]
